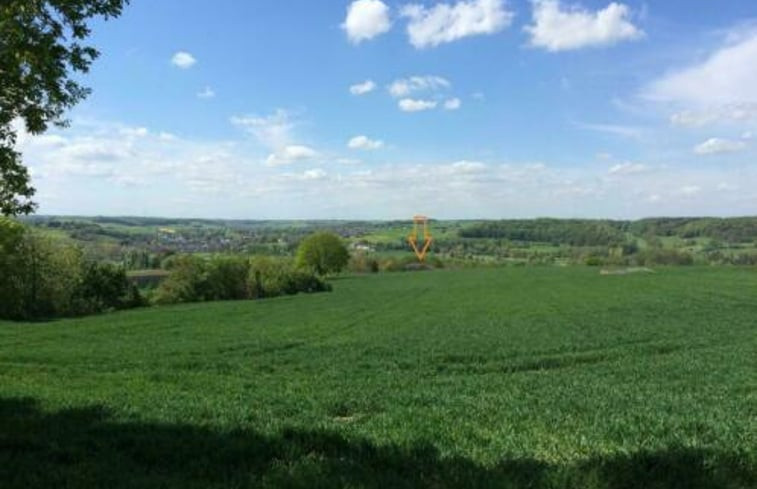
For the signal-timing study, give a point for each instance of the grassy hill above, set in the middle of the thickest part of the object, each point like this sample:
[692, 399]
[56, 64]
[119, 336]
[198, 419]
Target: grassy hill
[517, 377]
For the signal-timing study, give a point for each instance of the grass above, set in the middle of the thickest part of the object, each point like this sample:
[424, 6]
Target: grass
[517, 377]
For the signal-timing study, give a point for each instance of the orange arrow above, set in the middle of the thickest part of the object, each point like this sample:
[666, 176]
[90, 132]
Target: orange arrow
[427, 239]
[421, 254]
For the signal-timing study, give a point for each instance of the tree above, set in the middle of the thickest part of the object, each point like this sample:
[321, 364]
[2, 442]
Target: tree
[323, 253]
[40, 48]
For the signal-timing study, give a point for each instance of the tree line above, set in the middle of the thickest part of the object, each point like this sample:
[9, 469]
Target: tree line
[43, 278]
[590, 232]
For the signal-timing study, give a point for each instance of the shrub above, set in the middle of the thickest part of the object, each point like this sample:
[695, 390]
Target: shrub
[227, 279]
[194, 279]
[104, 287]
[269, 277]
[187, 281]
[362, 263]
[322, 253]
[659, 256]
[45, 279]
[594, 261]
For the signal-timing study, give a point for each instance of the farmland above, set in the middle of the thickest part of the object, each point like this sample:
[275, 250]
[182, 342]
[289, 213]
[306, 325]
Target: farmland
[139, 243]
[510, 377]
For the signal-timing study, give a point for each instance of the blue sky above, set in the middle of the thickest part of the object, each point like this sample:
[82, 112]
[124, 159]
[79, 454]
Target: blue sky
[381, 109]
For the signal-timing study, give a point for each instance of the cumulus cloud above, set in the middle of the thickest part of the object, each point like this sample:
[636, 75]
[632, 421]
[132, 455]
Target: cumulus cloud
[366, 19]
[91, 165]
[206, 93]
[416, 105]
[734, 113]
[452, 104]
[365, 143]
[362, 88]
[558, 28]
[725, 83]
[466, 166]
[273, 131]
[183, 60]
[627, 168]
[443, 23]
[314, 174]
[406, 86]
[690, 190]
[134, 132]
[290, 154]
[718, 146]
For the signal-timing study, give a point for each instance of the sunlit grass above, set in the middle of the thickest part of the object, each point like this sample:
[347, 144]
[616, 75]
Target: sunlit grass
[505, 378]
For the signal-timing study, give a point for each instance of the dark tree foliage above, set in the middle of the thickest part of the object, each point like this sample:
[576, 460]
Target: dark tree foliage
[40, 48]
[323, 253]
[575, 232]
[730, 230]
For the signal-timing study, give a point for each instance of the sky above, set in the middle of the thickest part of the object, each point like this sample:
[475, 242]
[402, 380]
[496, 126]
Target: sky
[297, 109]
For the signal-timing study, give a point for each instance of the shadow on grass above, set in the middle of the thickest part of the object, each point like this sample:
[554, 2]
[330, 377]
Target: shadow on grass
[85, 448]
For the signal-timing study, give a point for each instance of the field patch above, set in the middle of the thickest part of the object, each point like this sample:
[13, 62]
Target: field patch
[517, 377]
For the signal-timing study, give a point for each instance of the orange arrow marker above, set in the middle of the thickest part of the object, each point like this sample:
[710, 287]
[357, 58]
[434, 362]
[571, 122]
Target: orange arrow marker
[427, 239]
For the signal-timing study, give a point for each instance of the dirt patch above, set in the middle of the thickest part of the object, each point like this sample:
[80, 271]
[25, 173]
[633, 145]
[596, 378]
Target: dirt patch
[625, 271]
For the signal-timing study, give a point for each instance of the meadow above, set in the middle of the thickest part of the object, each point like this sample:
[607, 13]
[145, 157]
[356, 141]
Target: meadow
[541, 377]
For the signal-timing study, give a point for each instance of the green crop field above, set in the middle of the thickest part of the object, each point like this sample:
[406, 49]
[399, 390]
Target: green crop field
[512, 377]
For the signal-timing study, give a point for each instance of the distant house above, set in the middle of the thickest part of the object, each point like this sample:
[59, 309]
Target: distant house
[360, 246]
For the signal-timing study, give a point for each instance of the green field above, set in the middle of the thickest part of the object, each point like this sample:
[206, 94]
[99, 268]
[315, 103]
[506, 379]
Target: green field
[513, 377]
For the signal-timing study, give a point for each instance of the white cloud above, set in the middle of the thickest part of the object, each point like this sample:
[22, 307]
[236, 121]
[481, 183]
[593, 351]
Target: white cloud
[443, 23]
[727, 187]
[413, 105]
[290, 154]
[134, 132]
[89, 165]
[274, 131]
[627, 168]
[727, 76]
[348, 161]
[366, 19]
[690, 190]
[362, 88]
[183, 60]
[556, 28]
[314, 174]
[406, 86]
[365, 143]
[733, 113]
[630, 132]
[719, 146]
[747, 135]
[206, 93]
[466, 166]
[452, 104]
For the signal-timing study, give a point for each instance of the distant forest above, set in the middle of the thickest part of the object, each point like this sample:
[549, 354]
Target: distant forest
[589, 232]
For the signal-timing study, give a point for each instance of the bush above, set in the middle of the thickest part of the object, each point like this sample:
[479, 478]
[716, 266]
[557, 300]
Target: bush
[227, 279]
[104, 287]
[409, 262]
[45, 279]
[269, 277]
[194, 279]
[322, 253]
[594, 261]
[362, 263]
[187, 281]
[659, 256]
